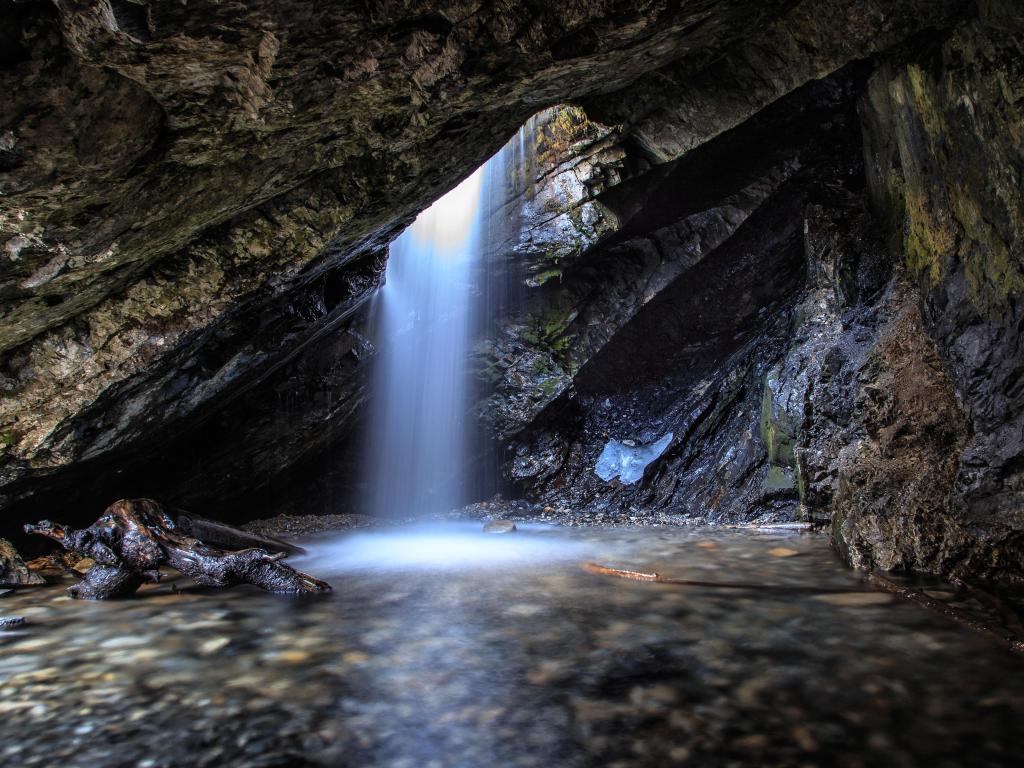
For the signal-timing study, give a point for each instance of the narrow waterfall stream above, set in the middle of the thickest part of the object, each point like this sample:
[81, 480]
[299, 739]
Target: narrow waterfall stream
[418, 442]
[443, 281]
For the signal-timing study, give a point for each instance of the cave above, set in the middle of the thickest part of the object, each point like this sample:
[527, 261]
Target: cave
[509, 383]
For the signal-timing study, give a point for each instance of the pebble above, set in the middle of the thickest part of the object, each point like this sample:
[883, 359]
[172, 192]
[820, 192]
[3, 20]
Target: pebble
[292, 657]
[754, 741]
[127, 641]
[213, 645]
[782, 552]
[524, 610]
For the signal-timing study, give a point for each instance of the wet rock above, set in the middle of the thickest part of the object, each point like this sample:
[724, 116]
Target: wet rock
[179, 263]
[500, 526]
[912, 430]
[942, 134]
[10, 622]
[13, 571]
[194, 217]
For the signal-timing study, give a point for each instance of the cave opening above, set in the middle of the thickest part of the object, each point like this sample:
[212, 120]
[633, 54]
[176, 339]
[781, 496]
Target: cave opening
[614, 384]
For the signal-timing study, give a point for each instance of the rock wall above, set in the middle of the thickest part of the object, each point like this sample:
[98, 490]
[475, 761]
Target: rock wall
[775, 252]
[888, 384]
[944, 132]
[178, 177]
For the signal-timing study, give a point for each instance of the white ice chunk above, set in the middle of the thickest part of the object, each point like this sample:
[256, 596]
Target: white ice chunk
[627, 463]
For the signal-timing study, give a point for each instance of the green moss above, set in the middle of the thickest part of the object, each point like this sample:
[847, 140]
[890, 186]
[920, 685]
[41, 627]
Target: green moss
[548, 332]
[549, 274]
[992, 273]
[924, 103]
[778, 430]
[928, 241]
[801, 484]
[554, 141]
[779, 479]
[8, 438]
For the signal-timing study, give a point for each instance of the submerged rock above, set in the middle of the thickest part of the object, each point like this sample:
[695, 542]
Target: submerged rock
[500, 526]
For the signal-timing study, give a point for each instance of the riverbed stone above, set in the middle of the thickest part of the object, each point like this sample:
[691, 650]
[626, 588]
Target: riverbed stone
[500, 526]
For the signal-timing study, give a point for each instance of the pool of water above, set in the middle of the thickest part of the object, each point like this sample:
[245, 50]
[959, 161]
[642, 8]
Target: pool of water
[448, 647]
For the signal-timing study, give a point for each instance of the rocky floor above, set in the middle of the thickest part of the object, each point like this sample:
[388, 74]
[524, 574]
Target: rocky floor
[446, 647]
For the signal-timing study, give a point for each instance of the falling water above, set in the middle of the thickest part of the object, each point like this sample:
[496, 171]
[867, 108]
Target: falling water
[417, 439]
[446, 276]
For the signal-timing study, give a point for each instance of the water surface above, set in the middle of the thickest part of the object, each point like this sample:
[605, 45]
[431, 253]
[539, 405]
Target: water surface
[447, 647]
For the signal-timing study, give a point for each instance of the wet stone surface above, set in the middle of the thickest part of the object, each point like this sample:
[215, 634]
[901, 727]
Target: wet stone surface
[511, 656]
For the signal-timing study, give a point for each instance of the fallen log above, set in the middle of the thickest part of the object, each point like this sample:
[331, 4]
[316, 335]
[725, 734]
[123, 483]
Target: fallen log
[135, 537]
[225, 536]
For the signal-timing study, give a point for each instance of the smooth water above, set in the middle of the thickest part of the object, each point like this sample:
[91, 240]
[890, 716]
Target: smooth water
[418, 443]
[436, 546]
[443, 284]
[527, 660]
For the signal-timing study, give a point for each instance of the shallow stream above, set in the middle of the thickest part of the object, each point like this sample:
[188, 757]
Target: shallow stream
[449, 647]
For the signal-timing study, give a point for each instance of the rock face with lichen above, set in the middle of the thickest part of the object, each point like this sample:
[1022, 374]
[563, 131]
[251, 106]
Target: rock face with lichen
[944, 142]
[880, 398]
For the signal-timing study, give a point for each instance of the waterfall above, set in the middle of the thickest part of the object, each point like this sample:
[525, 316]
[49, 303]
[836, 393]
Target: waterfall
[447, 277]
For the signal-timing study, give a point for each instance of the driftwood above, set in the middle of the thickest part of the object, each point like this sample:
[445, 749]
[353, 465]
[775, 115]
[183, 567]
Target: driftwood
[655, 578]
[134, 538]
[622, 573]
[219, 534]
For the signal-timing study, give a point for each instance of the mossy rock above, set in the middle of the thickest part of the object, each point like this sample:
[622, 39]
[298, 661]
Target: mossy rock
[779, 428]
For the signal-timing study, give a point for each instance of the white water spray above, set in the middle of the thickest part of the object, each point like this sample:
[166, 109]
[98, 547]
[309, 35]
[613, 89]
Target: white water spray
[417, 431]
[444, 279]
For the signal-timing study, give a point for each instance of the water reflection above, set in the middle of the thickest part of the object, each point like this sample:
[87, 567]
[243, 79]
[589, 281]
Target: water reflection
[527, 660]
